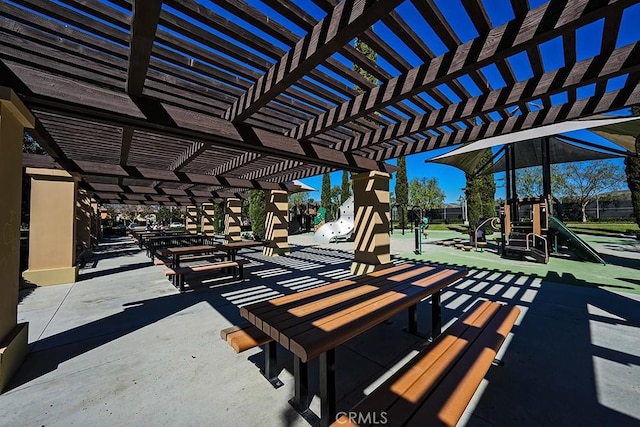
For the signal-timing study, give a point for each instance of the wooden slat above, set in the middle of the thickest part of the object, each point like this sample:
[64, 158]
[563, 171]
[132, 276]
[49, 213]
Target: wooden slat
[347, 20]
[620, 61]
[309, 341]
[539, 25]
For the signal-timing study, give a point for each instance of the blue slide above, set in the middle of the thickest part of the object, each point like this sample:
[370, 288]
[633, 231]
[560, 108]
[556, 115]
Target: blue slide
[576, 244]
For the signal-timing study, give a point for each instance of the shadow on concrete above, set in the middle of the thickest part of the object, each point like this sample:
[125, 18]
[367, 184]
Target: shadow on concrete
[549, 378]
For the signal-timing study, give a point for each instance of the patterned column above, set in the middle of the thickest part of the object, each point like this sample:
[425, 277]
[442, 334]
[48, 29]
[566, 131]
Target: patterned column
[14, 118]
[208, 225]
[372, 221]
[83, 221]
[96, 221]
[52, 229]
[276, 224]
[192, 219]
[232, 220]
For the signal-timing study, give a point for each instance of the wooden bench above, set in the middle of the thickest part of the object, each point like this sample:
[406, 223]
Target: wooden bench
[435, 387]
[180, 272]
[244, 337]
[168, 261]
[467, 248]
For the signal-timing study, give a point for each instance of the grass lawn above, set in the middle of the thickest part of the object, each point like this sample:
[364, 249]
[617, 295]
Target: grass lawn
[603, 229]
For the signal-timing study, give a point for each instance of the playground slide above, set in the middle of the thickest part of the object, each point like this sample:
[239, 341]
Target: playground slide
[341, 228]
[575, 243]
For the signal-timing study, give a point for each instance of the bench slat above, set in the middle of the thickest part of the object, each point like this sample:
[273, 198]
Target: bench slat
[448, 402]
[244, 337]
[435, 387]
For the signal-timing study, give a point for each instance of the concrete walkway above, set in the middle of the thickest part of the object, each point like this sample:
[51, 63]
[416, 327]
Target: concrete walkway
[122, 347]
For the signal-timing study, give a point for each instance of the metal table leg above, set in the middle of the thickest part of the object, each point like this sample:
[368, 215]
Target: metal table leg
[271, 364]
[436, 315]
[327, 388]
[301, 400]
[412, 326]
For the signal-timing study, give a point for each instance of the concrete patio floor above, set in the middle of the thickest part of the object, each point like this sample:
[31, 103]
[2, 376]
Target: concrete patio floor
[122, 347]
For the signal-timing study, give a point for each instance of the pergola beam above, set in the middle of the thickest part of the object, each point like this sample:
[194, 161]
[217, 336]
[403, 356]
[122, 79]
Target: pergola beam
[537, 26]
[604, 66]
[144, 22]
[348, 19]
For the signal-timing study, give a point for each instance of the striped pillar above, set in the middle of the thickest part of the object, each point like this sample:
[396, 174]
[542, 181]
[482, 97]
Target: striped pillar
[192, 219]
[372, 221]
[83, 221]
[232, 220]
[96, 221]
[276, 224]
[14, 118]
[208, 224]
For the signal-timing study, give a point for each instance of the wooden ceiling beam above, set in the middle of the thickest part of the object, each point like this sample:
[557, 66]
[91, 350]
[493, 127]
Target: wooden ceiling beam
[539, 25]
[559, 113]
[347, 20]
[602, 67]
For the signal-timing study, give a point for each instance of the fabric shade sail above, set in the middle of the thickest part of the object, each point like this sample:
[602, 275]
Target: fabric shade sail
[527, 145]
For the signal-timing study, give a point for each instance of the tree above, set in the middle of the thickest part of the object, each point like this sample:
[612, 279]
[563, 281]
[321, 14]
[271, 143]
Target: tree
[257, 213]
[218, 217]
[480, 192]
[297, 199]
[361, 46]
[325, 196]
[29, 145]
[586, 180]
[402, 189]
[632, 170]
[529, 181]
[345, 191]
[425, 193]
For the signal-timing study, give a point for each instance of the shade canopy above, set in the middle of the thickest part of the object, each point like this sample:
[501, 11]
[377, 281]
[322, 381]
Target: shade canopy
[527, 145]
[624, 134]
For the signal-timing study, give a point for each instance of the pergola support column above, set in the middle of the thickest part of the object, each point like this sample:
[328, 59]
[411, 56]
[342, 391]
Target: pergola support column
[84, 219]
[372, 221]
[232, 220]
[208, 224]
[96, 222]
[14, 118]
[52, 229]
[192, 219]
[276, 223]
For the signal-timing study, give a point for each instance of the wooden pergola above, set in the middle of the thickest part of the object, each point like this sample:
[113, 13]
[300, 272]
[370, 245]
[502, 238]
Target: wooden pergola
[184, 101]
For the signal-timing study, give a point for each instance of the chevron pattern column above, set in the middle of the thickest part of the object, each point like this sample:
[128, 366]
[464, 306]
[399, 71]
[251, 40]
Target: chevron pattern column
[276, 224]
[372, 220]
[192, 219]
[232, 220]
[208, 224]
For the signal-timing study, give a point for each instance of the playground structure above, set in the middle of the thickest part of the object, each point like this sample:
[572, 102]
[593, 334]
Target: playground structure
[530, 227]
[342, 228]
[539, 233]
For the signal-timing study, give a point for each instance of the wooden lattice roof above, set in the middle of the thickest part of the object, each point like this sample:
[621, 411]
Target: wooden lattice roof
[179, 101]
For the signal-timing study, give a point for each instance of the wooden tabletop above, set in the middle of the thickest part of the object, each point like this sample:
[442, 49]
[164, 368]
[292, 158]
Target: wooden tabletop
[312, 322]
[240, 245]
[184, 250]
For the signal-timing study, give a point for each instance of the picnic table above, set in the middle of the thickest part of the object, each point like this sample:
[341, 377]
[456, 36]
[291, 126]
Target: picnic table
[178, 251]
[313, 323]
[232, 248]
